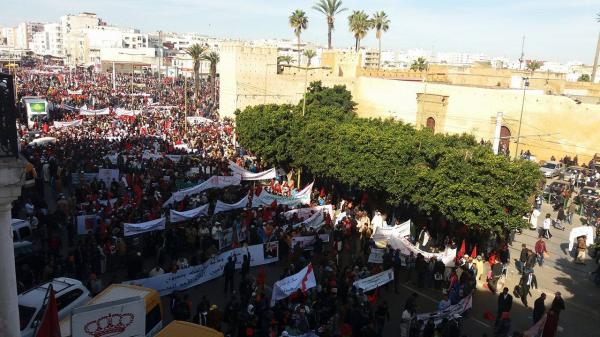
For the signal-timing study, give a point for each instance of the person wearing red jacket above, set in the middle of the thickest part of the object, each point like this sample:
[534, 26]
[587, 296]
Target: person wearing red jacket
[540, 250]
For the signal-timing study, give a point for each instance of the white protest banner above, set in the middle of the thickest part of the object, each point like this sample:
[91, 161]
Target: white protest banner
[126, 316]
[147, 155]
[129, 113]
[85, 112]
[186, 278]
[224, 207]
[108, 175]
[143, 227]
[448, 313]
[175, 216]
[60, 125]
[104, 202]
[174, 157]
[86, 224]
[226, 238]
[74, 92]
[406, 247]
[302, 280]
[315, 221]
[375, 281]
[579, 231]
[247, 175]
[385, 234]
[307, 242]
[266, 199]
[376, 255]
[198, 120]
[304, 213]
[212, 182]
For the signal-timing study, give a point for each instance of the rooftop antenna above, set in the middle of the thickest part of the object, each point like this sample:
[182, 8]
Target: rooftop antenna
[521, 59]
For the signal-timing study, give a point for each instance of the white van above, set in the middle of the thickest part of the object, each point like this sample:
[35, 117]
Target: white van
[21, 229]
[70, 294]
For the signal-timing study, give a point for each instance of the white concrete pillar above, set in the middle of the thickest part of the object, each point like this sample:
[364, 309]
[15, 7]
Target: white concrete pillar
[12, 175]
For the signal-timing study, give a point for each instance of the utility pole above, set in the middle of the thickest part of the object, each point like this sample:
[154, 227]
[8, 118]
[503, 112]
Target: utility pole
[114, 76]
[525, 85]
[497, 132]
[521, 59]
[595, 68]
[160, 56]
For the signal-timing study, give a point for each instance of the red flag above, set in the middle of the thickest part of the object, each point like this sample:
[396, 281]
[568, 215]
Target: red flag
[373, 298]
[474, 252]
[49, 325]
[462, 250]
[487, 315]
[305, 279]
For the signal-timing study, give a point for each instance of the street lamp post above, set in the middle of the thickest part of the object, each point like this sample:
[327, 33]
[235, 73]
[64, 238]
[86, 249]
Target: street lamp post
[525, 85]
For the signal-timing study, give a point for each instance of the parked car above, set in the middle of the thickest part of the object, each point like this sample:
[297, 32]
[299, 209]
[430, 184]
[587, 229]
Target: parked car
[22, 230]
[588, 193]
[573, 171]
[557, 187]
[552, 169]
[70, 294]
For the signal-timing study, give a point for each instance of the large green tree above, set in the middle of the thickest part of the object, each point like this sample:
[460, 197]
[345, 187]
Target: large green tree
[330, 8]
[445, 176]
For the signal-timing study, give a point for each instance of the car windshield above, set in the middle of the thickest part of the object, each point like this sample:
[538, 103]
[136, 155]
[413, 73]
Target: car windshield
[25, 314]
[549, 166]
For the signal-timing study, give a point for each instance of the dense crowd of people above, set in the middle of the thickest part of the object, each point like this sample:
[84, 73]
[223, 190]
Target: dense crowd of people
[158, 152]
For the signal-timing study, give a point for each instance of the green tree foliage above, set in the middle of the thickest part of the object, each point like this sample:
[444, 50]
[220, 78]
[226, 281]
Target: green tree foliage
[534, 65]
[359, 24]
[449, 176]
[337, 100]
[419, 64]
[584, 78]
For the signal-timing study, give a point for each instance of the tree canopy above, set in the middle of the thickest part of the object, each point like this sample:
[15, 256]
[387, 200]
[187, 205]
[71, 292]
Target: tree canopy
[445, 176]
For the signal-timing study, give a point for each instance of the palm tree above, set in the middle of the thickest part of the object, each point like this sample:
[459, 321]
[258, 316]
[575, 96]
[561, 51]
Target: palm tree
[299, 22]
[287, 59]
[419, 64]
[534, 65]
[359, 24]
[309, 54]
[214, 58]
[197, 52]
[329, 8]
[381, 23]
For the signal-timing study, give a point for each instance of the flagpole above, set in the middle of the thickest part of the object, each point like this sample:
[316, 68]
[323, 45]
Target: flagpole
[44, 307]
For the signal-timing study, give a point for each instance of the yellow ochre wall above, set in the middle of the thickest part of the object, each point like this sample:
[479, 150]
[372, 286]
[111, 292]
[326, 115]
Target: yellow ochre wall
[552, 125]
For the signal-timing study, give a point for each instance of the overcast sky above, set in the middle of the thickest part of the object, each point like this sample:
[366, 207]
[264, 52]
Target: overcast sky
[556, 30]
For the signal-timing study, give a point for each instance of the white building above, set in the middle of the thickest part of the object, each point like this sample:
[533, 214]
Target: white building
[74, 41]
[8, 35]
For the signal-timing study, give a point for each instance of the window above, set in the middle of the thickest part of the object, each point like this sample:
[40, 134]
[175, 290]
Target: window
[153, 317]
[24, 232]
[25, 314]
[68, 298]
